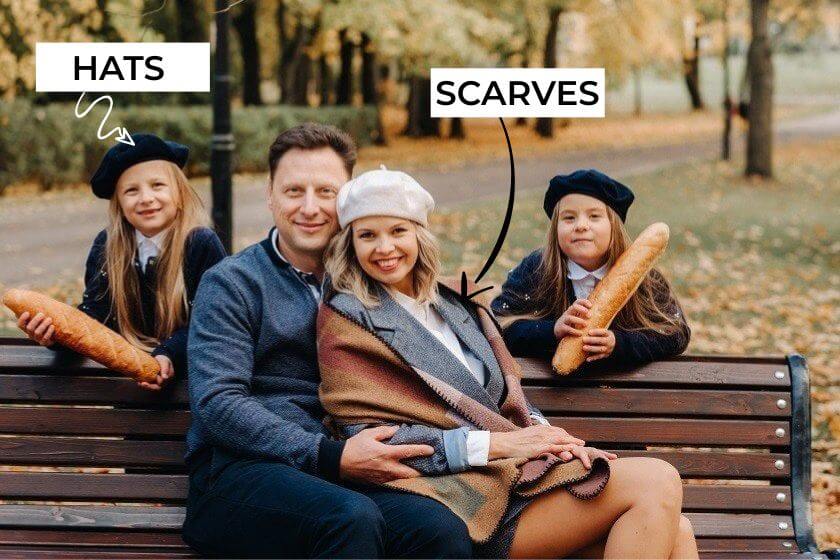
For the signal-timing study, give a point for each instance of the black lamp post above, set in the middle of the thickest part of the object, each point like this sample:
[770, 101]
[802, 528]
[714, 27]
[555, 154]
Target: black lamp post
[222, 142]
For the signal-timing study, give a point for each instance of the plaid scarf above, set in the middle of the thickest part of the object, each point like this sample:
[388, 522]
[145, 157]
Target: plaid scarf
[365, 381]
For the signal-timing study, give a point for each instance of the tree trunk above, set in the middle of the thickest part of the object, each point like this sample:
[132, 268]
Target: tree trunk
[420, 121]
[545, 126]
[369, 78]
[726, 143]
[344, 88]
[191, 21]
[456, 128]
[292, 59]
[637, 91]
[280, 19]
[245, 23]
[691, 71]
[760, 132]
[325, 74]
[191, 28]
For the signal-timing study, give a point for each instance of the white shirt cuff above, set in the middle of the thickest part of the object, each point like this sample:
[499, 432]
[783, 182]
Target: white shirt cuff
[478, 447]
[540, 418]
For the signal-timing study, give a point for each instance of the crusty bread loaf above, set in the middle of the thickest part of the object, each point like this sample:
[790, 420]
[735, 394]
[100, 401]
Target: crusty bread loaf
[612, 293]
[85, 335]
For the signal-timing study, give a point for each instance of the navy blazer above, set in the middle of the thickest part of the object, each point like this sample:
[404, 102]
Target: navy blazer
[203, 250]
[398, 328]
[535, 338]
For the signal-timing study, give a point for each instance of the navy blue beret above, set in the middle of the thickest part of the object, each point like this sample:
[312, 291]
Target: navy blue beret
[590, 182]
[147, 147]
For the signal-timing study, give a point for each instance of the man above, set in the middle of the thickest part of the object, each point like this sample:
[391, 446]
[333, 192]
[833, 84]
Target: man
[265, 477]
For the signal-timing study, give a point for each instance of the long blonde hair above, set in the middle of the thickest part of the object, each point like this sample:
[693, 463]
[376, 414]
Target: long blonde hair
[347, 275]
[171, 310]
[550, 299]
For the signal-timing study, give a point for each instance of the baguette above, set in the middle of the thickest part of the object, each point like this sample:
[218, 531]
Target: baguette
[85, 335]
[613, 292]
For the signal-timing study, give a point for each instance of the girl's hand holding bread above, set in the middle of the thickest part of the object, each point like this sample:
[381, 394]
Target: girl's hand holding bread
[39, 328]
[575, 318]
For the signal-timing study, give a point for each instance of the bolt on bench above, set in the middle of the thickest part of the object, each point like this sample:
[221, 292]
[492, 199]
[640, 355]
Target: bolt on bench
[737, 429]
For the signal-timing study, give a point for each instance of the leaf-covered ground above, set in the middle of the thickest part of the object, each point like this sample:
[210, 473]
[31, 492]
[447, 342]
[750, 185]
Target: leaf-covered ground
[755, 264]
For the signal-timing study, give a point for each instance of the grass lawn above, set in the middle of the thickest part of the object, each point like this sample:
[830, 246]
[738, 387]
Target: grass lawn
[756, 266]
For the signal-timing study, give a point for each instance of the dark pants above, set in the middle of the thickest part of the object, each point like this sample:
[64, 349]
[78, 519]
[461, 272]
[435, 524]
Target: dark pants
[259, 508]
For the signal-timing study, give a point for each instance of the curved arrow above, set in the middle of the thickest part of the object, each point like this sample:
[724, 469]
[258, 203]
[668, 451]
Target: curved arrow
[505, 225]
[121, 132]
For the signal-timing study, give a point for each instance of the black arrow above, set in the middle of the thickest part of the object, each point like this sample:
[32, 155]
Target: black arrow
[505, 226]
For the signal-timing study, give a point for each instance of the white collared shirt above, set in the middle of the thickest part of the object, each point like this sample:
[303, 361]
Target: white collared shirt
[315, 288]
[148, 247]
[583, 281]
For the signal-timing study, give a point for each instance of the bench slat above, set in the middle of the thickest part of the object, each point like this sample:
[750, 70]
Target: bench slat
[173, 488]
[93, 421]
[671, 372]
[741, 525]
[719, 464]
[47, 537]
[54, 389]
[64, 552]
[673, 431]
[171, 518]
[81, 452]
[98, 486]
[713, 544]
[595, 400]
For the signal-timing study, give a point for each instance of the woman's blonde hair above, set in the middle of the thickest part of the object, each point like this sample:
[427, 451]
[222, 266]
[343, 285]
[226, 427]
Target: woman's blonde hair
[641, 312]
[348, 276]
[171, 310]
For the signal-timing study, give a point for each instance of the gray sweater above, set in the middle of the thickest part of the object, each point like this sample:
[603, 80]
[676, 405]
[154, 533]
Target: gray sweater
[253, 365]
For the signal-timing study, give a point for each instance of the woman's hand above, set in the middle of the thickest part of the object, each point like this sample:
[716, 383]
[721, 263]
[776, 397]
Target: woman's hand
[39, 328]
[166, 371]
[573, 320]
[585, 454]
[531, 442]
[598, 343]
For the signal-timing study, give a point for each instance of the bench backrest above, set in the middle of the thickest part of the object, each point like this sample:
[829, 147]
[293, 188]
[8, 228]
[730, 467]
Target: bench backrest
[737, 429]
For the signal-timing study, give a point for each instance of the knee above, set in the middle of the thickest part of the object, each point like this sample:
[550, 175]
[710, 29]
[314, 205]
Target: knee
[685, 529]
[445, 536]
[358, 513]
[657, 483]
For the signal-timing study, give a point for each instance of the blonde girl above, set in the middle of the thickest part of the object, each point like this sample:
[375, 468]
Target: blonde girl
[143, 269]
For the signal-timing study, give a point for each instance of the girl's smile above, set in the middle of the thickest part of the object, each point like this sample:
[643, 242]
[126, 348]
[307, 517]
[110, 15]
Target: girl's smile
[146, 195]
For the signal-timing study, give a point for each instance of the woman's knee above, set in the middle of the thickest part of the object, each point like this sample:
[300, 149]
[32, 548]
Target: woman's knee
[652, 481]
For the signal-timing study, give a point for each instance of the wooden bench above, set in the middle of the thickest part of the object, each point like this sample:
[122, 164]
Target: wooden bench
[743, 423]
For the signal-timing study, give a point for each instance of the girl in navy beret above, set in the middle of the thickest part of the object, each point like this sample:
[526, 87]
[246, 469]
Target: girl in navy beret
[545, 298]
[143, 269]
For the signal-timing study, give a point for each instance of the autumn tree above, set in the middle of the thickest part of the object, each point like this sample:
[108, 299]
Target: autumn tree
[760, 62]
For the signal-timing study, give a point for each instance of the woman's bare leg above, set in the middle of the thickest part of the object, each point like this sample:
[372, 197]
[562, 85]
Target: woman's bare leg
[637, 513]
[686, 546]
[684, 549]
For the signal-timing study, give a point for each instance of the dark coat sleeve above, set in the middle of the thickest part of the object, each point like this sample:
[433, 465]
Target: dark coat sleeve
[96, 300]
[204, 250]
[636, 347]
[529, 338]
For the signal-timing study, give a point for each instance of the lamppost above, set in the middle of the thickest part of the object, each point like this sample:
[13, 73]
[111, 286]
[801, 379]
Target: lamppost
[222, 142]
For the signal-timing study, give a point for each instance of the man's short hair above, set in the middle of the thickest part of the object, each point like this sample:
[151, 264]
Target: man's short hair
[312, 136]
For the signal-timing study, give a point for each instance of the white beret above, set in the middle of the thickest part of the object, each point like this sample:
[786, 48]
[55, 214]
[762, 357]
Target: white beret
[384, 193]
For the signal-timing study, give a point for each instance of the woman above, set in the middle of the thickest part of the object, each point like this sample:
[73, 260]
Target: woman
[397, 347]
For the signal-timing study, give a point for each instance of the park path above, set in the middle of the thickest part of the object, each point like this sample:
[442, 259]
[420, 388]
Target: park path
[47, 239]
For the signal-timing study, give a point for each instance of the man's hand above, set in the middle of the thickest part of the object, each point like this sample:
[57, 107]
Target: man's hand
[366, 459]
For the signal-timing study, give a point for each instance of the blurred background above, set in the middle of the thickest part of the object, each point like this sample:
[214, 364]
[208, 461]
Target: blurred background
[722, 115]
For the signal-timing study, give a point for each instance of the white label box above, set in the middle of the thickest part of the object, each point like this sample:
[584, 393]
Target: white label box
[518, 92]
[122, 67]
